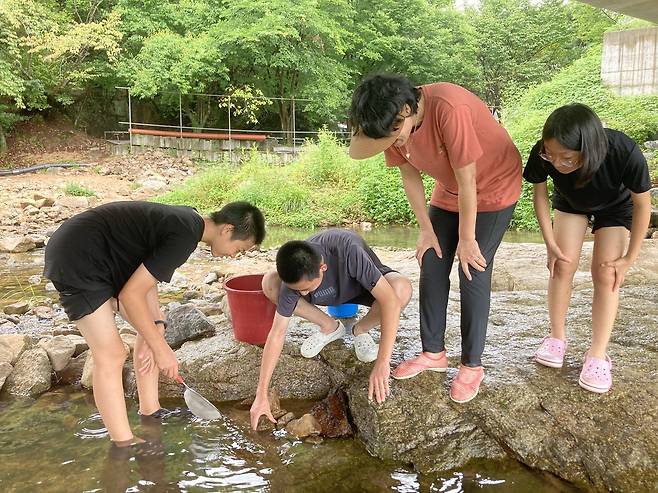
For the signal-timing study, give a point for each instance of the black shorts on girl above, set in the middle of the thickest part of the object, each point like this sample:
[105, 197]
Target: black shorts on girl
[617, 215]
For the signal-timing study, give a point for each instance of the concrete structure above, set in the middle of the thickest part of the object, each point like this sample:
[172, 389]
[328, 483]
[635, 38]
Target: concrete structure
[641, 9]
[630, 61]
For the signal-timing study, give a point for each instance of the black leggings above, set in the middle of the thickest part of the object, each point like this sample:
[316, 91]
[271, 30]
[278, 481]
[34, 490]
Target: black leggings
[475, 295]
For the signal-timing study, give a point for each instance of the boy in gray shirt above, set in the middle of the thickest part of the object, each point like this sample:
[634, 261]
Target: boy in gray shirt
[332, 267]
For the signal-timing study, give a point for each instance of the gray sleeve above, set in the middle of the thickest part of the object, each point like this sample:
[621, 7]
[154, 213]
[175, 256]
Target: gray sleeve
[287, 301]
[361, 267]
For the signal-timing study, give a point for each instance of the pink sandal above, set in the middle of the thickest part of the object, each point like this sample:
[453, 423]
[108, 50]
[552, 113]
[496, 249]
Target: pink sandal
[466, 384]
[551, 352]
[412, 367]
[596, 374]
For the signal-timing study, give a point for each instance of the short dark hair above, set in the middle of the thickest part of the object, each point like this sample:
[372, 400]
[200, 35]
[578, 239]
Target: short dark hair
[296, 260]
[378, 100]
[247, 220]
[576, 127]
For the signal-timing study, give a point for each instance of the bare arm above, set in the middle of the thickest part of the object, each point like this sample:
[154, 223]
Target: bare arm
[640, 224]
[542, 211]
[133, 298]
[390, 309]
[415, 191]
[271, 353]
[468, 249]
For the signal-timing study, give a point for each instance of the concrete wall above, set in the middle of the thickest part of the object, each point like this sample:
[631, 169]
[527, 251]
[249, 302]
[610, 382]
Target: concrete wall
[207, 149]
[630, 61]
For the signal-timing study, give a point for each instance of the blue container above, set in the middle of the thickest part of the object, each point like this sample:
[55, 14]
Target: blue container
[345, 310]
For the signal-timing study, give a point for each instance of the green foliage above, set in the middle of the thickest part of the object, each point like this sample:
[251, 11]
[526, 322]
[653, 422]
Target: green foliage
[77, 190]
[323, 187]
[524, 117]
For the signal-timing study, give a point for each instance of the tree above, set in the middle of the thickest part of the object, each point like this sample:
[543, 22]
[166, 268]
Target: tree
[521, 43]
[288, 50]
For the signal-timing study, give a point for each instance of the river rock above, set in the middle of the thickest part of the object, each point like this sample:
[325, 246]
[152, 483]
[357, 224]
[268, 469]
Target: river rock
[331, 415]
[186, 323]
[80, 344]
[11, 347]
[72, 202]
[18, 308]
[43, 312]
[537, 415]
[284, 420]
[87, 377]
[16, 244]
[34, 280]
[129, 340]
[223, 369]
[72, 374]
[303, 427]
[60, 349]
[210, 309]
[31, 375]
[5, 370]
[46, 200]
[226, 309]
[210, 278]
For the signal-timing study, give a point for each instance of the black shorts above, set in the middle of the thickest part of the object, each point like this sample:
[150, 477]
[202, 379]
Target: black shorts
[366, 298]
[618, 215]
[78, 303]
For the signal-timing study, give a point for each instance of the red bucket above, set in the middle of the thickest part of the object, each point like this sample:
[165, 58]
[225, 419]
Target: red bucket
[252, 313]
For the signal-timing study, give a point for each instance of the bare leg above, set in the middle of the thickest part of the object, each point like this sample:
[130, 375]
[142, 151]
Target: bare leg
[304, 309]
[609, 244]
[373, 318]
[109, 353]
[569, 230]
[147, 384]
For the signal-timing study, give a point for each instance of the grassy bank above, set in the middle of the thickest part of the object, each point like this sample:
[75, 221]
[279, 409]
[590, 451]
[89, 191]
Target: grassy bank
[322, 187]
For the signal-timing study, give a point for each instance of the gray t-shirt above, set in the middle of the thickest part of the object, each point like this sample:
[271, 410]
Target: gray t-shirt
[353, 270]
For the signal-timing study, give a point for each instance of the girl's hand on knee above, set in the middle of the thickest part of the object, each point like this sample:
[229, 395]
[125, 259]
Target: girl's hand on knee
[621, 266]
[554, 254]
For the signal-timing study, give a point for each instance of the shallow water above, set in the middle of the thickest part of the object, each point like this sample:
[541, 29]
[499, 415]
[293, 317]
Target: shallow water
[383, 236]
[57, 443]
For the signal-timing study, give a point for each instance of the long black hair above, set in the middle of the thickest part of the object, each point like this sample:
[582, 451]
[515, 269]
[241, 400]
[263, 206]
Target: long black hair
[378, 100]
[576, 127]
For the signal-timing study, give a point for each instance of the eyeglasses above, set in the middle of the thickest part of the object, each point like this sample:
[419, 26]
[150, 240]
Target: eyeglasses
[567, 163]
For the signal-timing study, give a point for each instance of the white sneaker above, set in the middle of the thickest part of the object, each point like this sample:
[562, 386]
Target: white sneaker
[312, 346]
[365, 347]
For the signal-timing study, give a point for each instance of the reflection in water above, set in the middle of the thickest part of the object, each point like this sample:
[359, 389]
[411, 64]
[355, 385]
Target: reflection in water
[44, 447]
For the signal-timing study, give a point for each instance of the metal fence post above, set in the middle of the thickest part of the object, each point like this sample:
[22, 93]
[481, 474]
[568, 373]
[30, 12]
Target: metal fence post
[130, 122]
[294, 130]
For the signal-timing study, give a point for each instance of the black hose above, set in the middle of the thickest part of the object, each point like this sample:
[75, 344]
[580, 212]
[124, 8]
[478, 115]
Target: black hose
[37, 167]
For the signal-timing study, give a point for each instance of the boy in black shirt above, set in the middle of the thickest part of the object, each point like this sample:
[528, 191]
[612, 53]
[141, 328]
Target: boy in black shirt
[598, 175]
[331, 268]
[110, 259]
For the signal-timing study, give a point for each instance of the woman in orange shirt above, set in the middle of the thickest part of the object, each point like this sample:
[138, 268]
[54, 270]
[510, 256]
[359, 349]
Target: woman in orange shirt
[447, 132]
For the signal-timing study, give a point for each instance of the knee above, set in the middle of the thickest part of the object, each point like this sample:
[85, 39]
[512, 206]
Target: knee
[565, 270]
[110, 357]
[271, 285]
[603, 277]
[403, 290]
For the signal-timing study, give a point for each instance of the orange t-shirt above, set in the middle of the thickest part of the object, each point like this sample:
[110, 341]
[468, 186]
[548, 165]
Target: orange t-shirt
[458, 129]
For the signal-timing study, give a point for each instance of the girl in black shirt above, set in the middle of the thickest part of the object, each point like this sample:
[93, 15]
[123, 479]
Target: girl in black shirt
[598, 175]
